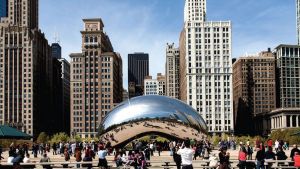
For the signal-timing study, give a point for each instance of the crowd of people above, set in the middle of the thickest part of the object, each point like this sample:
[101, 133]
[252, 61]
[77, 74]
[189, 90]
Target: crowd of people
[141, 153]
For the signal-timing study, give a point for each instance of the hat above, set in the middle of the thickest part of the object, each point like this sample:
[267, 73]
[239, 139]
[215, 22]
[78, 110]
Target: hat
[241, 142]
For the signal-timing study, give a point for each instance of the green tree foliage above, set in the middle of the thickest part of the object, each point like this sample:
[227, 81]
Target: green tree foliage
[42, 138]
[60, 137]
[286, 135]
[78, 138]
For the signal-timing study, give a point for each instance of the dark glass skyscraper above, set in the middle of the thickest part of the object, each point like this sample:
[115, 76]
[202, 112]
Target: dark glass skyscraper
[56, 51]
[3, 8]
[138, 68]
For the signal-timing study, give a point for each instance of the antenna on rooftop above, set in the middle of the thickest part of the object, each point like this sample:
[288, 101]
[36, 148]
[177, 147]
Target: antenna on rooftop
[56, 36]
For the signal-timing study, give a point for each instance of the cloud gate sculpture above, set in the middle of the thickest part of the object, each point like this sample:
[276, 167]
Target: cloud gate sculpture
[144, 115]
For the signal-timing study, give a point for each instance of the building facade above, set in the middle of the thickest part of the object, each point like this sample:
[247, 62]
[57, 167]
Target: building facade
[56, 51]
[287, 88]
[26, 69]
[155, 86]
[172, 71]
[207, 74]
[61, 90]
[150, 86]
[3, 8]
[96, 80]
[288, 76]
[254, 90]
[138, 69]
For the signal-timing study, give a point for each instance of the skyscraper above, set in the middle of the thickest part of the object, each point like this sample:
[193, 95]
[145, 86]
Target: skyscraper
[138, 69]
[61, 90]
[206, 68]
[254, 90]
[96, 80]
[172, 71]
[287, 88]
[56, 51]
[26, 68]
[3, 8]
[288, 76]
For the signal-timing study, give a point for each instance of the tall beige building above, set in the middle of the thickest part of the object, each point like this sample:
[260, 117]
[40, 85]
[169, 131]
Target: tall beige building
[206, 67]
[172, 71]
[96, 79]
[25, 69]
[254, 89]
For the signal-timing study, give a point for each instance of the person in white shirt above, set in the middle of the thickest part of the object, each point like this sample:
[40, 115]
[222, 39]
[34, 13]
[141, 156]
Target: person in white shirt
[26, 159]
[186, 155]
[151, 146]
[276, 145]
[102, 153]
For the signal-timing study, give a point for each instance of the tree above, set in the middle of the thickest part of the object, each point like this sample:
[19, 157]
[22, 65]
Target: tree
[78, 138]
[42, 138]
[60, 137]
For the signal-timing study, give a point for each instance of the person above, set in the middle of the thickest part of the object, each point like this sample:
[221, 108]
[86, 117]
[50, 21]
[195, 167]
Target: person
[87, 158]
[176, 157]
[281, 154]
[269, 155]
[270, 143]
[297, 160]
[73, 147]
[249, 152]
[186, 154]
[45, 159]
[18, 159]
[78, 157]
[242, 158]
[206, 153]
[11, 156]
[67, 157]
[224, 159]
[147, 152]
[276, 145]
[158, 148]
[102, 153]
[293, 151]
[260, 158]
[141, 160]
[151, 146]
[171, 147]
[54, 148]
[26, 159]
[285, 146]
[118, 159]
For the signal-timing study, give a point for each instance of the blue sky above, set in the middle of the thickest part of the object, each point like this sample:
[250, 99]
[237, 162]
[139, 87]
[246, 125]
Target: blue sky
[147, 25]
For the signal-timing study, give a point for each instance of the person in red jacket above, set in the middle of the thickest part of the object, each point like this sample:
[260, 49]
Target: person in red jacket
[297, 160]
[270, 143]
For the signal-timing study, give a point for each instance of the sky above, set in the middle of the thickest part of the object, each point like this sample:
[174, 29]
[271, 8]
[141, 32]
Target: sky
[148, 25]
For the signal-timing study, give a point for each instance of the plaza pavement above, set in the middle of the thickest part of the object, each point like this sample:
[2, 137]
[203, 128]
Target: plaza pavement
[156, 161]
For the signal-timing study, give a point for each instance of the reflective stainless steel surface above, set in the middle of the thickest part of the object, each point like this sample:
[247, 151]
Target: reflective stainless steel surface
[151, 114]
